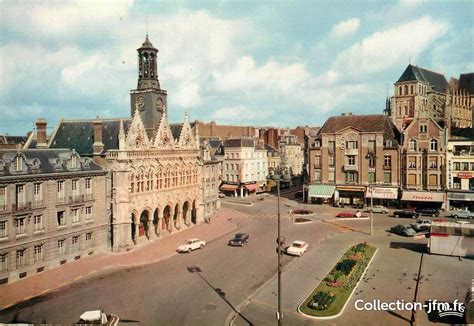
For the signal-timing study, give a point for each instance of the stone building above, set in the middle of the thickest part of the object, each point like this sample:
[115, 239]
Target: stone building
[352, 153]
[155, 169]
[291, 155]
[273, 158]
[214, 130]
[52, 210]
[460, 169]
[212, 166]
[245, 167]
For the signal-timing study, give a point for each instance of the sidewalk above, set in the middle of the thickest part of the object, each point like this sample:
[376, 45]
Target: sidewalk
[145, 254]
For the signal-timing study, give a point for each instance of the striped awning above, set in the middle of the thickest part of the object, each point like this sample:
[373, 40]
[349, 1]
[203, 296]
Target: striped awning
[321, 191]
[226, 187]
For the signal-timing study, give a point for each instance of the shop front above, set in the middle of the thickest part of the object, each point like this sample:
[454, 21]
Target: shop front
[459, 200]
[229, 189]
[423, 199]
[318, 194]
[386, 196]
[347, 195]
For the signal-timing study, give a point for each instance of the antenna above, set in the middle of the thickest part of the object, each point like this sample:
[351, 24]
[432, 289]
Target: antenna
[146, 24]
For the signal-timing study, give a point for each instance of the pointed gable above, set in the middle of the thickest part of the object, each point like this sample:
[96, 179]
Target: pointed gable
[186, 138]
[164, 139]
[136, 137]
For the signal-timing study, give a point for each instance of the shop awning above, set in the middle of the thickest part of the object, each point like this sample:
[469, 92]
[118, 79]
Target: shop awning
[321, 191]
[424, 196]
[351, 188]
[461, 196]
[226, 187]
[251, 187]
[382, 193]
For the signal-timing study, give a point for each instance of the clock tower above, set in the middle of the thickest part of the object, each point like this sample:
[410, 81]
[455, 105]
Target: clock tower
[149, 99]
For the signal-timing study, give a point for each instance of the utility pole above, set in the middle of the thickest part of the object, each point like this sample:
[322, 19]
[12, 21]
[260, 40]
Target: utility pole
[279, 315]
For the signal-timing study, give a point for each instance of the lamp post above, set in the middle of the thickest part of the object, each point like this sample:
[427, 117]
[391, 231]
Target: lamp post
[280, 242]
[371, 156]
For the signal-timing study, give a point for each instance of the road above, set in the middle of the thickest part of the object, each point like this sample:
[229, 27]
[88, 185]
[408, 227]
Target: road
[201, 288]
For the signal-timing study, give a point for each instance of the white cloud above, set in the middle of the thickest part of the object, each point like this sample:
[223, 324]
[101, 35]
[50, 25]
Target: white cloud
[240, 114]
[344, 28]
[389, 48]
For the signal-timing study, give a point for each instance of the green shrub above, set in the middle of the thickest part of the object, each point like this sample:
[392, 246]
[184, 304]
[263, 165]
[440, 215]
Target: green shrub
[322, 300]
[346, 266]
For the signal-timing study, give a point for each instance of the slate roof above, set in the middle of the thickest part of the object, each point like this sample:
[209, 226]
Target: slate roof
[466, 82]
[176, 130]
[79, 134]
[239, 142]
[365, 123]
[46, 158]
[214, 143]
[270, 148]
[462, 134]
[434, 79]
[17, 140]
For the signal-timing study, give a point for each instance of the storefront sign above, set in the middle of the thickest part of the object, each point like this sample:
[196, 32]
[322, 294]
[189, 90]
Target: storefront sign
[423, 196]
[358, 189]
[461, 196]
[382, 193]
[465, 175]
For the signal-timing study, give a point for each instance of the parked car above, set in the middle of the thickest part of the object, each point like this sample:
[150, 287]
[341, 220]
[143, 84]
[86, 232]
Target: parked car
[378, 209]
[406, 213]
[297, 248]
[421, 225]
[299, 194]
[97, 317]
[460, 214]
[405, 230]
[239, 239]
[191, 245]
[428, 212]
[221, 195]
[358, 206]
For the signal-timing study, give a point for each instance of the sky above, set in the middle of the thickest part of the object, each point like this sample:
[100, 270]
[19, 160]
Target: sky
[261, 63]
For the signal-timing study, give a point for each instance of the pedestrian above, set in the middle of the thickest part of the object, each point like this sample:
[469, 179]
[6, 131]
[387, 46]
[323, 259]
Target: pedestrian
[358, 214]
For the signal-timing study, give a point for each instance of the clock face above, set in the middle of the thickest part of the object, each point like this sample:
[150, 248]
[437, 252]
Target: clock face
[159, 104]
[140, 103]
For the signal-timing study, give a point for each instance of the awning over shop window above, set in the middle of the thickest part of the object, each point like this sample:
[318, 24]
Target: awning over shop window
[251, 187]
[424, 196]
[462, 196]
[226, 187]
[382, 193]
[354, 188]
[321, 191]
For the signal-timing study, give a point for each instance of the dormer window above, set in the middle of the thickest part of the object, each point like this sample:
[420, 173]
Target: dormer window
[388, 143]
[18, 163]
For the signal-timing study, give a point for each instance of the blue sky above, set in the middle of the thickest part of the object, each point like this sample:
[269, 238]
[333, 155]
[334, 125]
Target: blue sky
[283, 63]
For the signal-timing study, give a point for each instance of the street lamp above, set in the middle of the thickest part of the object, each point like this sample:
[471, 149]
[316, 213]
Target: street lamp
[371, 156]
[280, 243]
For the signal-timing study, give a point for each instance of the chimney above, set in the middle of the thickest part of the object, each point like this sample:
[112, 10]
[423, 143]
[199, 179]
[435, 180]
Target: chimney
[98, 146]
[41, 133]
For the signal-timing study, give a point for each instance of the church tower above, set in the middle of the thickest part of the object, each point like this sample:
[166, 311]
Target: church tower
[149, 99]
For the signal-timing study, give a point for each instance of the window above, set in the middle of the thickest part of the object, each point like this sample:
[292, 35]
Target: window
[18, 163]
[372, 177]
[20, 225]
[399, 90]
[433, 163]
[62, 246]
[88, 186]
[412, 179]
[352, 144]
[465, 166]
[20, 195]
[61, 217]
[423, 128]
[411, 89]
[88, 213]
[412, 162]
[75, 243]
[89, 239]
[457, 166]
[387, 161]
[472, 166]
[20, 258]
[317, 161]
[413, 146]
[317, 175]
[60, 190]
[39, 253]
[3, 229]
[3, 198]
[37, 193]
[372, 162]
[433, 180]
[387, 177]
[405, 89]
[388, 143]
[433, 145]
[75, 215]
[38, 222]
[351, 176]
[331, 146]
[74, 187]
[371, 145]
[331, 160]
[331, 176]
[3, 262]
[350, 159]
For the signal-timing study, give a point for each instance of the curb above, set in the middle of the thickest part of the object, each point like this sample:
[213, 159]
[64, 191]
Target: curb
[348, 299]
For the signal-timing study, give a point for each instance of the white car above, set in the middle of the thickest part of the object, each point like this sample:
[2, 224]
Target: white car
[378, 209]
[421, 225]
[191, 245]
[460, 214]
[297, 248]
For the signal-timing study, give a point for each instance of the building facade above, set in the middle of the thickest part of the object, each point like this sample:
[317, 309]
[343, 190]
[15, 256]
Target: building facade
[212, 166]
[291, 155]
[53, 210]
[353, 158]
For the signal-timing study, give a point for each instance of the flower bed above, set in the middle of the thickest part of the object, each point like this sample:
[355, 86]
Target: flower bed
[301, 212]
[329, 297]
[302, 220]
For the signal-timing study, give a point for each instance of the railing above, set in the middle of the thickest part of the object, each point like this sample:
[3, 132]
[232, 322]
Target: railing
[76, 199]
[89, 196]
[463, 153]
[21, 207]
[351, 151]
[38, 203]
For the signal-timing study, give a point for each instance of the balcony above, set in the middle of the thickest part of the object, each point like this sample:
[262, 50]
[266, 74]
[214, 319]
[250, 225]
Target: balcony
[387, 167]
[348, 167]
[351, 151]
[463, 153]
[89, 196]
[76, 199]
[19, 208]
[38, 203]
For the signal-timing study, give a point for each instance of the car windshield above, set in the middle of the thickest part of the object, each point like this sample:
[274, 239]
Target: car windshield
[239, 235]
[189, 241]
[297, 244]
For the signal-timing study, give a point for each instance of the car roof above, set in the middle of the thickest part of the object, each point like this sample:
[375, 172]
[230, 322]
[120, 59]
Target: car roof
[194, 239]
[299, 242]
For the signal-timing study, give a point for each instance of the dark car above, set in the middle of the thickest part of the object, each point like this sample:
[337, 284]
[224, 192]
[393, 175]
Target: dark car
[406, 213]
[428, 212]
[299, 194]
[239, 239]
[405, 230]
